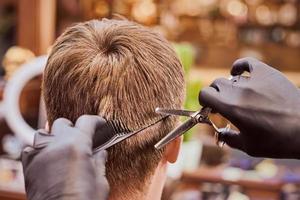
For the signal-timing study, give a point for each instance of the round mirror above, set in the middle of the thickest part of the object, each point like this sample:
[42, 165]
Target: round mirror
[11, 97]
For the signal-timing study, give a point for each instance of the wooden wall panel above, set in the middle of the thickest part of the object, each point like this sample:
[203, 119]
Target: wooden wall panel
[36, 24]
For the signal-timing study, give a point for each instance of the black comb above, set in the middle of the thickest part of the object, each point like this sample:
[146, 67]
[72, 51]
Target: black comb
[107, 132]
[114, 132]
[118, 126]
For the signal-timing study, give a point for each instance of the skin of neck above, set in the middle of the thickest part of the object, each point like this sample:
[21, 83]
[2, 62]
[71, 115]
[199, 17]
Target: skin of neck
[157, 182]
[153, 189]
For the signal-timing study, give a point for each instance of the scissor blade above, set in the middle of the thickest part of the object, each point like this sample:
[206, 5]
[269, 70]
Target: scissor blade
[190, 123]
[164, 111]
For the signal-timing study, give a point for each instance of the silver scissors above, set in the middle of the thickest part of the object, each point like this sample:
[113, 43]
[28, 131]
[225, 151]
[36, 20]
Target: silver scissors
[201, 116]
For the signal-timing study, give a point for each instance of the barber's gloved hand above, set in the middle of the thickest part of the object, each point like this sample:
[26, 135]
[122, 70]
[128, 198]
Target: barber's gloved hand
[265, 107]
[65, 168]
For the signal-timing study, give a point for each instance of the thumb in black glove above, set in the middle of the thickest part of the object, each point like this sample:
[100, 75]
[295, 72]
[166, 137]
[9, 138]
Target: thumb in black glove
[265, 107]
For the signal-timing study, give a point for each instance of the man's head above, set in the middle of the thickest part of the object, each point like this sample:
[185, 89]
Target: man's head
[122, 71]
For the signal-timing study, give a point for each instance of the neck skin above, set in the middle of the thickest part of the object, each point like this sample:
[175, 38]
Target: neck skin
[157, 182]
[153, 190]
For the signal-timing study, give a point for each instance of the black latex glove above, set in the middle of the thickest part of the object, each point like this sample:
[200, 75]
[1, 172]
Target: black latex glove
[265, 107]
[65, 169]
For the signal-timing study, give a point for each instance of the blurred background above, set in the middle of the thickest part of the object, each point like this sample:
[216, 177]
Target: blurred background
[208, 36]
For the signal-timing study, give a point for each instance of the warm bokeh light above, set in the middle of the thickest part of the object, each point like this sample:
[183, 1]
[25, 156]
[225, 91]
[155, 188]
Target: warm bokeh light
[265, 15]
[287, 14]
[237, 8]
[144, 11]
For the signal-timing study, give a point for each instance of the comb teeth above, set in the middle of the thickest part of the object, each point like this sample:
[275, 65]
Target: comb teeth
[118, 126]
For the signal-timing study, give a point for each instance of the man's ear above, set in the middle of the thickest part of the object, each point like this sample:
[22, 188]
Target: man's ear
[172, 150]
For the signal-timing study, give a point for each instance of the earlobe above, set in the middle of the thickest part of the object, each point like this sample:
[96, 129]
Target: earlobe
[172, 150]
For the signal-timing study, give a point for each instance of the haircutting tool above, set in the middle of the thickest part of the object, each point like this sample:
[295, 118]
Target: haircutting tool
[109, 134]
[118, 134]
[195, 118]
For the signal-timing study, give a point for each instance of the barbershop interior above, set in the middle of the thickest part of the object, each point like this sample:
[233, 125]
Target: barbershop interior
[207, 35]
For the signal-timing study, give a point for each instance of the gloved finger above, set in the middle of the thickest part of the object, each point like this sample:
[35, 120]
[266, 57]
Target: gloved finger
[43, 131]
[232, 138]
[240, 66]
[42, 139]
[59, 125]
[102, 183]
[237, 80]
[28, 155]
[221, 84]
[213, 96]
[251, 65]
[89, 124]
[209, 97]
[39, 142]
[100, 160]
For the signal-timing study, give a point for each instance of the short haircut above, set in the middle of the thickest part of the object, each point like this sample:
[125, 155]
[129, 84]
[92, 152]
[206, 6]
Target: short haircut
[122, 71]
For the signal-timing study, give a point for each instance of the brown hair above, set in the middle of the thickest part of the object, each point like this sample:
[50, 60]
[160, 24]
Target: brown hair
[119, 70]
